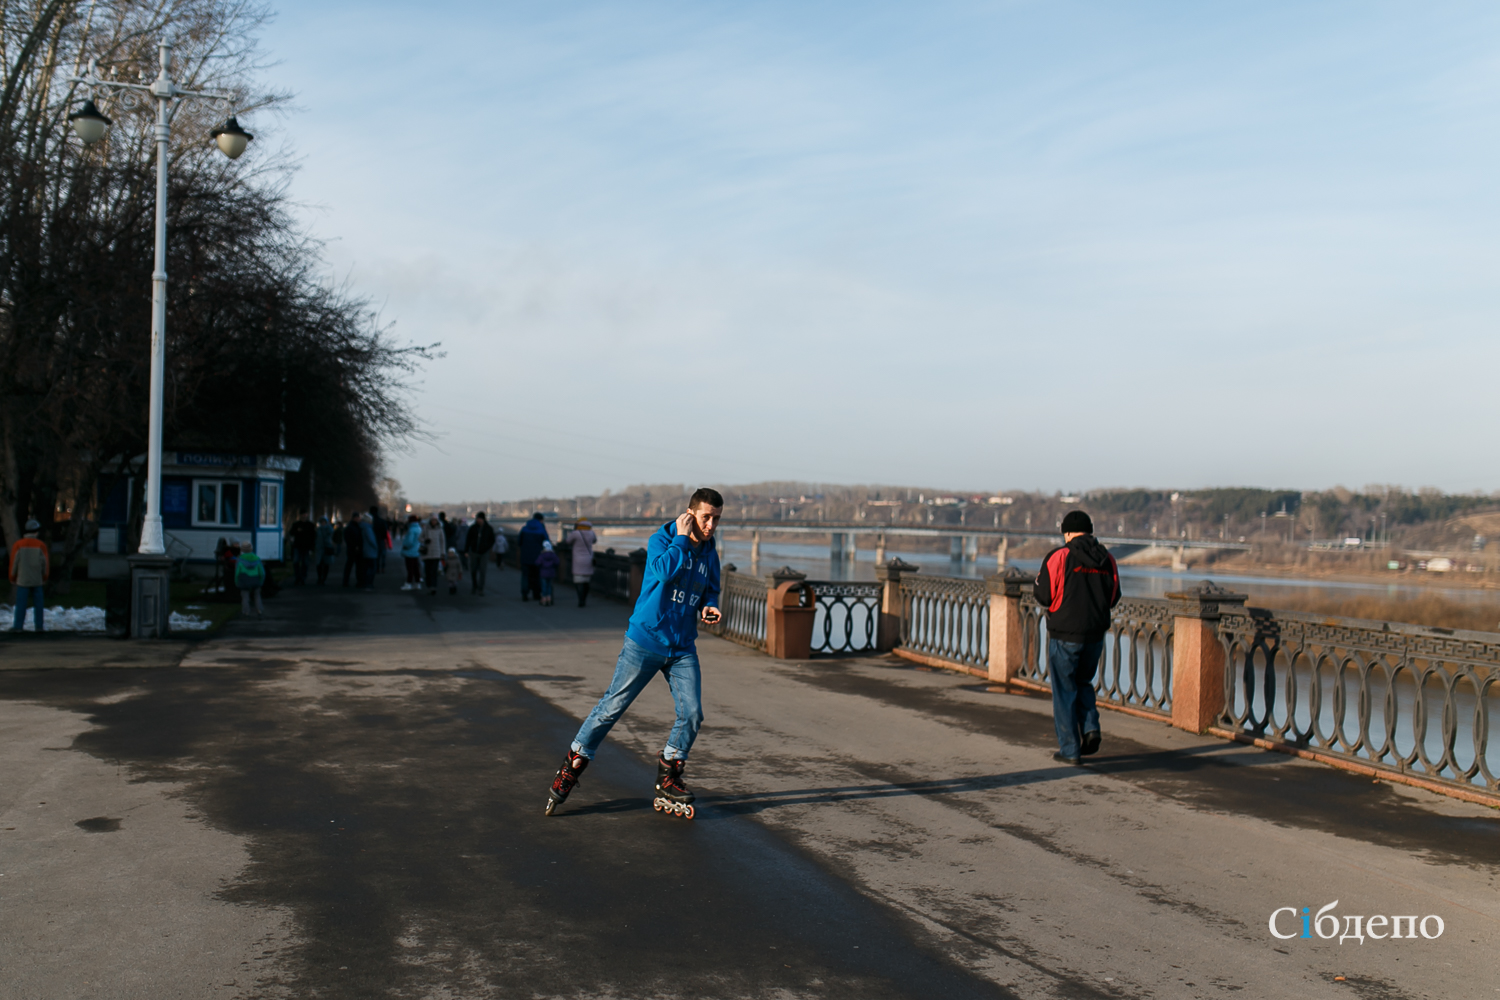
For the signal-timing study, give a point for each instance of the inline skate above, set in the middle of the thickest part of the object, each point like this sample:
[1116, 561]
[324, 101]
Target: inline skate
[672, 796]
[567, 777]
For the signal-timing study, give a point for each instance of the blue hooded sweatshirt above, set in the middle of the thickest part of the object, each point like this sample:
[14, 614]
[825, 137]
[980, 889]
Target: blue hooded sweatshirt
[679, 583]
[533, 534]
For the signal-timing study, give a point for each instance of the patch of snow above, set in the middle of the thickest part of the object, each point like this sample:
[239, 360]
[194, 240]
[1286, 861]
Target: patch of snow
[58, 619]
[90, 620]
[187, 623]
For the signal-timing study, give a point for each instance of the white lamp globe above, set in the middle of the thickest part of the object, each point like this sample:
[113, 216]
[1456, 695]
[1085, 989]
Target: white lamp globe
[231, 139]
[89, 123]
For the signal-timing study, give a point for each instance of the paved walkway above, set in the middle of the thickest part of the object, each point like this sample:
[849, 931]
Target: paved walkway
[345, 800]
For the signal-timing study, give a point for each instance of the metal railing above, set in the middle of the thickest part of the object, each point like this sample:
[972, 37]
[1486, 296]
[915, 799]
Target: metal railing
[742, 601]
[1136, 669]
[946, 618]
[848, 617]
[1396, 697]
[612, 575]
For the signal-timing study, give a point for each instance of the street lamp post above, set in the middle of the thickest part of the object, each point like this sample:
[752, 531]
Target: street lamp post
[90, 125]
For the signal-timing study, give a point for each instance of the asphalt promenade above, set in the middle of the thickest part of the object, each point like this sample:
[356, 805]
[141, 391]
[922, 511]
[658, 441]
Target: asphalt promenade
[344, 799]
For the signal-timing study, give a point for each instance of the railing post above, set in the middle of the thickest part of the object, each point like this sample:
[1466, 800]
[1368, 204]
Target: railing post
[637, 576]
[1006, 626]
[1198, 655]
[788, 623]
[888, 628]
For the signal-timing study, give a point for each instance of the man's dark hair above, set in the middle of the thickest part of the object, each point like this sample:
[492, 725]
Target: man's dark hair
[706, 496]
[480, 516]
[538, 516]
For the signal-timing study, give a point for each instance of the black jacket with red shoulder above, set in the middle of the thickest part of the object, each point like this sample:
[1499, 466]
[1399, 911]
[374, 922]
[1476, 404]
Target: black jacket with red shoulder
[1078, 584]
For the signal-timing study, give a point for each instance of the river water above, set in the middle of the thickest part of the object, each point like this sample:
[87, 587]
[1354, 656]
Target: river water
[1135, 581]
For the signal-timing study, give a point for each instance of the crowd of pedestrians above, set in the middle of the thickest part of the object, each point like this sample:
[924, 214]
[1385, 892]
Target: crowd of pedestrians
[436, 551]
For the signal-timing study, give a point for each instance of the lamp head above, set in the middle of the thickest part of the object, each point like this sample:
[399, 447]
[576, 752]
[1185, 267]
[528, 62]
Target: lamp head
[231, 138]
[89, 122]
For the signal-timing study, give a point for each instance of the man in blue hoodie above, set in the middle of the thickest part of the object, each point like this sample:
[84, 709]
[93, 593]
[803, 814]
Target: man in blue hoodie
[681, 585]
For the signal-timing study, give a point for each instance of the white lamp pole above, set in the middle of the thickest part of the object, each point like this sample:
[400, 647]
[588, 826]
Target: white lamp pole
[90, 125]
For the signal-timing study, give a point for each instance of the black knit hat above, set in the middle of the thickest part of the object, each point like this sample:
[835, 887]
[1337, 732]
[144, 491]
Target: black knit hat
[1077, 520]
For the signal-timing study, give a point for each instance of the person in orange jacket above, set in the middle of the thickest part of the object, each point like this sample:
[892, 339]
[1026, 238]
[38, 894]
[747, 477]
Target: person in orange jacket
[30, 565]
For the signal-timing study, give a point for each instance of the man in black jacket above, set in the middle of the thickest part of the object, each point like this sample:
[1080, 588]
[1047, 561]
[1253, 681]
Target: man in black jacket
[1078, 585]
[304, 537]
[478, 545]
[354, 550]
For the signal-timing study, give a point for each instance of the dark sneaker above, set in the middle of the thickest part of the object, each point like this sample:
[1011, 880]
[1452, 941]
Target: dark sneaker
[1065, 758]
[1090, 744]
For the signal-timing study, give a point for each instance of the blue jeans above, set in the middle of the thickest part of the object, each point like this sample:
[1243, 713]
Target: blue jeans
[1072, 666]
[33, 597]
[633, 671]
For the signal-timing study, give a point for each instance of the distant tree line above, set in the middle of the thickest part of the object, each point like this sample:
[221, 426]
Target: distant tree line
[263, 355]
[1231, 511]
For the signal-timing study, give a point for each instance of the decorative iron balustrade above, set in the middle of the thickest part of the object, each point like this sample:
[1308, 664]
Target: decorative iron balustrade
[947, 618]
[848, 617]
[1136, 669]
[742, 602]
[1394, 697]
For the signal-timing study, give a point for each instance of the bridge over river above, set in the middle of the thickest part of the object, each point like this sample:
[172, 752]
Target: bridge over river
[344, 800]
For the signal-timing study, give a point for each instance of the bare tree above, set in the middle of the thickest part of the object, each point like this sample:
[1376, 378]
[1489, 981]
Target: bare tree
[262, 354]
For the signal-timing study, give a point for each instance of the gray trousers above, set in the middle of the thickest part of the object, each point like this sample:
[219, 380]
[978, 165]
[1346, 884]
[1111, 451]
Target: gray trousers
[245, 595]
[479, 564]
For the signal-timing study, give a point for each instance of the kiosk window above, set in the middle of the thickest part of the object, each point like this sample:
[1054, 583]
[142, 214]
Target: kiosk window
[270, 505]
[218, 504]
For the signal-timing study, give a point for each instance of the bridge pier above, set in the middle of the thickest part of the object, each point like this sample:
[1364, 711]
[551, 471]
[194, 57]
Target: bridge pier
[880, 549]
[1002, 554]
[956, 548]
[755, 553]
[1179, 564]
[971, 548]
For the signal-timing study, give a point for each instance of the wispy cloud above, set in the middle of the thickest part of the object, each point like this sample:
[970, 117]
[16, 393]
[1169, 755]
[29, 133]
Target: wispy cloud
[993, 231]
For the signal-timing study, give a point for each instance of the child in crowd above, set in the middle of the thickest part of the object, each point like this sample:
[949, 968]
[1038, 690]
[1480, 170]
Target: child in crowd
[453, 569]
[547, 563]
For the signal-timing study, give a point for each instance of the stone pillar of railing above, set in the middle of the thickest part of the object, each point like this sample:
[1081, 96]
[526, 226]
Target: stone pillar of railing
[637, 575]
[788, 622]
[1198, 655]
[888, 628]
[1006, 623]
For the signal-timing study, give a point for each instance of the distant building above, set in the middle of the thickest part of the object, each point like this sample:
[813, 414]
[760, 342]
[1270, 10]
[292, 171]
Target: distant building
[205, 496]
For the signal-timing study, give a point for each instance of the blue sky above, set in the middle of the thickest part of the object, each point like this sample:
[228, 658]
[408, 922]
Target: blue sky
[972, 245]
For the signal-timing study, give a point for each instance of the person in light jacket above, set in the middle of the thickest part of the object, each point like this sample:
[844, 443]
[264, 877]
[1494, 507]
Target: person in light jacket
[583, 538]
[411, 553]
[430, 547]
[453, 570]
